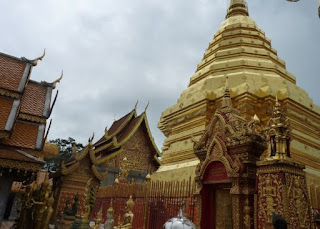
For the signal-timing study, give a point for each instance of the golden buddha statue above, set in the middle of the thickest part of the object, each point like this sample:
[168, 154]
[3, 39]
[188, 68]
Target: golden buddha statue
[109, 224]
[128, 217]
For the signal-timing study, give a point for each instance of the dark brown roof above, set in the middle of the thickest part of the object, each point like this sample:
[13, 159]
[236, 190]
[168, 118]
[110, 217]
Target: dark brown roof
[128, 129]
[33, 99]
[24, 135]
[11, 72]
[6, 105]
[117, 124]
[115, 127]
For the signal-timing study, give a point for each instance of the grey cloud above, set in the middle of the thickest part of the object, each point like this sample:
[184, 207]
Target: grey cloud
[115, 52]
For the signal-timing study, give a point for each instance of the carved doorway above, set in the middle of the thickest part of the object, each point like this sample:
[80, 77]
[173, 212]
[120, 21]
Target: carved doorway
[223, 208]
[216, 198]
[217, 206]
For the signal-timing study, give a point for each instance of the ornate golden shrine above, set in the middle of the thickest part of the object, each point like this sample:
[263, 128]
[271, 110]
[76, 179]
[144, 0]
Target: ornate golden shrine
[281, 182]
[130, 138]
[73, 177]
[242, 52]
[226, 175]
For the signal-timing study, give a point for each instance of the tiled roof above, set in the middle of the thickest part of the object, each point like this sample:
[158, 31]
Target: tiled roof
[33, 99]
[115, 127]
[14, 155]
[127, 130]
[5, 108]
[11, 72]
[24, 135]
[118, 124]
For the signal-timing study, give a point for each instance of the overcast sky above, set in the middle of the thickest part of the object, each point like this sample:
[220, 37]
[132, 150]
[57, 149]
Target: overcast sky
[115, 52]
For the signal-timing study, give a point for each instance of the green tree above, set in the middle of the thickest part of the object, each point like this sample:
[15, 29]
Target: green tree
[54, 163]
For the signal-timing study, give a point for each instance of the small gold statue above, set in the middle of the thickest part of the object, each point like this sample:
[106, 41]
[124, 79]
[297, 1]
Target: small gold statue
[97, 224]
[109, 224]
[128, 217]
[48, 213]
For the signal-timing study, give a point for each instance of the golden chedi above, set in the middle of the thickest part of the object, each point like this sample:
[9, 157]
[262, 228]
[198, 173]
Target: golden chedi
[240, 51]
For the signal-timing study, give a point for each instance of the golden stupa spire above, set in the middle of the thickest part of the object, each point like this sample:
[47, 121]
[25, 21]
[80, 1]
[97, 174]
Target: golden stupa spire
[237, 7]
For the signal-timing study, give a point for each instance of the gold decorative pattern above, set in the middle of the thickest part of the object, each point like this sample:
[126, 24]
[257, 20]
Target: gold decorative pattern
[32, 118]
[298, 206]
[10, 94]
[3, 134]
[14, 164]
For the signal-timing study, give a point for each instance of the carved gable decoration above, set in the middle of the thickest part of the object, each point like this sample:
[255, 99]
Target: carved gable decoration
[227, 129]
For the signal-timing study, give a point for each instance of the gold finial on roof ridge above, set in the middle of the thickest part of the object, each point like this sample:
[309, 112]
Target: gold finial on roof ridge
[145, 109]
[237, 7]
[54, 84]
[90, 139]
[35, 61]
[106, 131]
[135, 106]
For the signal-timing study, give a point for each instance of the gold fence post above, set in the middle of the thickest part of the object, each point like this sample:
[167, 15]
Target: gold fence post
[147, 190]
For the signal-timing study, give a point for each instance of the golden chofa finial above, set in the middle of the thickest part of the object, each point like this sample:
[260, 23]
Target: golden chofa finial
[145, 109]
[90, 139]
[54, 84]
[106, 134]
[135, 106]
[35, 62]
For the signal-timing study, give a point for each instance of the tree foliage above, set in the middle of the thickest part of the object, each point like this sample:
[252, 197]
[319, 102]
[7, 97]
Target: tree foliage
[54, 163]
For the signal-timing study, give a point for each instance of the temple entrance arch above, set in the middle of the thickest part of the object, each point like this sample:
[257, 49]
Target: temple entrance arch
[228, 151]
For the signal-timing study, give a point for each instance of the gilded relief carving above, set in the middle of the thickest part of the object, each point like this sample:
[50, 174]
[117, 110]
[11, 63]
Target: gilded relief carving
[299, 211]
[269, 197]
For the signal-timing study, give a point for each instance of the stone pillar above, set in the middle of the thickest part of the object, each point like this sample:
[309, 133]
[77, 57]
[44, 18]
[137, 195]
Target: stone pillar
[5, 189]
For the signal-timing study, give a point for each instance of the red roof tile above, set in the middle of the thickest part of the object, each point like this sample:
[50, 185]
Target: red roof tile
[14, 155]
[24, 135]
[33, 99]
[11, 72]
[115, 126]
[5, 108]
[128, 129]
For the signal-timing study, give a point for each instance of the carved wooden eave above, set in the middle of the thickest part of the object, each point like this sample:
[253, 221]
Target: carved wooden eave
[88, 151]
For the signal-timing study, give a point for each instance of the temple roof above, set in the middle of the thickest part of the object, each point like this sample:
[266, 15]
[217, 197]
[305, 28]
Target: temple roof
[25, 105]
[119, 133]
[73, 163]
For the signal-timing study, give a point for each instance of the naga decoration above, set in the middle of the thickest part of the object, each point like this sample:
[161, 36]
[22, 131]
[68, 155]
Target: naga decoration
[36, 207]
